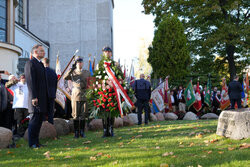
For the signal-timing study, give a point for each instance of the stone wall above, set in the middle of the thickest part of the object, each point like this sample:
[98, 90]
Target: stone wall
[72, 24]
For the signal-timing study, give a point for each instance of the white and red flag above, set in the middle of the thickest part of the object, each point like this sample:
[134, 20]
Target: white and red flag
[131, 77]
[197, 105]
[167, 98]
[58, 66]
[225, 101]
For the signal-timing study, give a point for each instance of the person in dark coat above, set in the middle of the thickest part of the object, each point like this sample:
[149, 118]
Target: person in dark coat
[38, 94]
[234, 91]
[142, 90]
[52, 87]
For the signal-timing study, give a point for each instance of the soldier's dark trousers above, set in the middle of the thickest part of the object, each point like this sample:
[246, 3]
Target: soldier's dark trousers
[108, 126]
[233, 101]
[143, 104]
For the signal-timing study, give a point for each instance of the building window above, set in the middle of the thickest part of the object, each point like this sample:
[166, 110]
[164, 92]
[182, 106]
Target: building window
[20, 12]
[3, 20]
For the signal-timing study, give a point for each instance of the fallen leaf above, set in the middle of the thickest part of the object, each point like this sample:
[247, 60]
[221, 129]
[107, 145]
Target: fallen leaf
[86, 142]
[209, 152]
[138, 136]
[107, 155]
[174, 156]
[244, 146]
[51, 158]
[115, 162]
[86, 148]
[203, 156]
[220, 152]
[105, 141]
[191, 144]
[181, 146]
[199, 166]
[181, 143]
[47, 154]
[164, 165]
[230, 148]
[157, 147]
[9, 152]
[92, 158]
[99, 154]
[199, 135]
[68, 156]
[213, 140]
[93, 149]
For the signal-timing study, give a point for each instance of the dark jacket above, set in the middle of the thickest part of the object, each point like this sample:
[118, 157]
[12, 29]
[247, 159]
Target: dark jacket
[36, 81]
[51, 82]
[234, 90]
[3, 98]
[142, 89]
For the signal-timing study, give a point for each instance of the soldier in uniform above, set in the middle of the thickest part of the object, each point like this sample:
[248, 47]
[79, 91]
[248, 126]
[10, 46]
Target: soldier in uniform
[78, 98]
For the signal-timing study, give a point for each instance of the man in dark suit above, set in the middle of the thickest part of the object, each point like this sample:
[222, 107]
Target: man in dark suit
[142, 90]
[52, 86]
[234, 91]
[38, 94]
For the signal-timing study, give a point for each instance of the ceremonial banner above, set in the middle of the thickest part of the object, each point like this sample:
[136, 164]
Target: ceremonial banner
[244, 93]
[60, 98]
[157, 97]
[197, 105]
[63, 85]
[207, 98]
[225, 102]
[167, 98]
[189, 95]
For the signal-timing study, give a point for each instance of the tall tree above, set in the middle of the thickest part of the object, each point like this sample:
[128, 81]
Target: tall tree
[217, 27]
[169, 53]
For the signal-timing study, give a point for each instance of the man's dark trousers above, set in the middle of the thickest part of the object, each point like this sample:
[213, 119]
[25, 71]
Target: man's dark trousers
[35, 124]
[51, 106]
[233, 101]
[143, 104]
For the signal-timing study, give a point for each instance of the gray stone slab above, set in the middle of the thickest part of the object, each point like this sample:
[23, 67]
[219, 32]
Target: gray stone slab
[234, 124]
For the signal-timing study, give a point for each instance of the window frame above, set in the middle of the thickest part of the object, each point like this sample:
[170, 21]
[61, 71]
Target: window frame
[6, 22]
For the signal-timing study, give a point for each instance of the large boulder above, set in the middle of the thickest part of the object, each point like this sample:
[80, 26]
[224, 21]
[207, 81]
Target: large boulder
[118, 122]
[5, 137]
[127, 121]
[133, 118]
[95, 124]
[160, 116]
[209, 116]
[153, 117]
[71, 125]
[170, 116]
[62, 127]
[234, 124]
[190, 116]
[47, 131]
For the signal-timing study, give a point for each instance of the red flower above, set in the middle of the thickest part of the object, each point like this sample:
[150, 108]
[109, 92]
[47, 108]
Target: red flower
[99, 93]
[106, 96]
[112, 104]
[107, 109]
[109, 100]
[108, 105]
[122, 99]
[94, 104]
[110, 94]
[103, 106]
[105, 91]
[98, 100]
[94, 101]
[104, 100]
[110, 89]
[97, 106]
[114, 94]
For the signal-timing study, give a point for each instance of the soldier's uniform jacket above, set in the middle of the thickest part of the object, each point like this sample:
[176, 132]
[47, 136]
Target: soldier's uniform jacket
[79, 81]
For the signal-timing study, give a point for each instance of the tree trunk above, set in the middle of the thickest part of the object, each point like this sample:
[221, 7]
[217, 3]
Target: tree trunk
[230, 49]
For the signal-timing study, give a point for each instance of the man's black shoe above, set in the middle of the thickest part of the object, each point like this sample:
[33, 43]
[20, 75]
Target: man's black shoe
[41, 145]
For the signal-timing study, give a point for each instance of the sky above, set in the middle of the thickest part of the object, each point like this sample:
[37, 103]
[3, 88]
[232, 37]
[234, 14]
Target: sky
[130, 25]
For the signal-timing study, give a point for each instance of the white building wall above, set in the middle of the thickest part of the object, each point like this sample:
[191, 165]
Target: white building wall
[72, 24]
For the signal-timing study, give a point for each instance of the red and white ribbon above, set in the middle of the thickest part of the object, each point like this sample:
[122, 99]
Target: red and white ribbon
[119, 90]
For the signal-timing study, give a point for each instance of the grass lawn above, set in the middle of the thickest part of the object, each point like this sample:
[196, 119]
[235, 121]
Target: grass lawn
[167, 143]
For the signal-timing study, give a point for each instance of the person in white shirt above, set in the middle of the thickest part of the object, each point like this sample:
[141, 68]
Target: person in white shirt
[20, 101]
